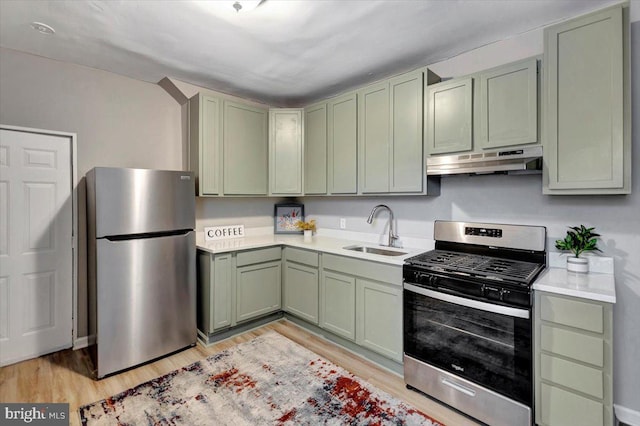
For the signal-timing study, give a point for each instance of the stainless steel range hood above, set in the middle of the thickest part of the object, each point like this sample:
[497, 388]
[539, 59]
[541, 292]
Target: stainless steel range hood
[522, 160]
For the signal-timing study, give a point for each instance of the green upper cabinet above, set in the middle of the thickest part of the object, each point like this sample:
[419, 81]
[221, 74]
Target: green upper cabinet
[406, 156]
[245, 150]
[449, 116]
[285, 152]
[390, 144]
[587, 147]
[373, 138]
[205, 141]
[492, 109]
[508, 105]
[228, 144]
[315, 149]
[342, 144]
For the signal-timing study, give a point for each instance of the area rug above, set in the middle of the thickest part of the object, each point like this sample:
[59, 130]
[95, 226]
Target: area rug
[269, 380]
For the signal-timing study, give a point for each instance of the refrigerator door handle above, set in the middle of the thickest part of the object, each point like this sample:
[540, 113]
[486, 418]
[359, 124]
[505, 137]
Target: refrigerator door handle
[148, 235]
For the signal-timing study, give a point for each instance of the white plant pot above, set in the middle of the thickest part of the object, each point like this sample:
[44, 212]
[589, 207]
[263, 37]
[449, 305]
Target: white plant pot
[577, 264]
[308, 236]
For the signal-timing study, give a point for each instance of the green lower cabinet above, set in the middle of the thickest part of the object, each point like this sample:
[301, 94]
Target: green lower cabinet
[301, 291]
[221, 315]
[215, 286]
[362, 301]
[354, 299]
[379, 318]
[573, 361]
[258, 289]
[338, 304]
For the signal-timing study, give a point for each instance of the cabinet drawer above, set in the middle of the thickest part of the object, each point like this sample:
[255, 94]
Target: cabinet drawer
[251, 257]
[559, 407]
[391, 274]
[575, 376]
[574, 313]
[305, 257]
[572, 345]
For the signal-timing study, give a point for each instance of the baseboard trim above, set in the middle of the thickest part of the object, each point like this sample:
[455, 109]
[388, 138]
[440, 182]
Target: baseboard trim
[83, 342]
[33, 355]
[238, 329]
[627, 415]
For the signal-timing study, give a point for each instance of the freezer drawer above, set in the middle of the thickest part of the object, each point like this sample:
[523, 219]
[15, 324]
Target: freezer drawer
[146, 299]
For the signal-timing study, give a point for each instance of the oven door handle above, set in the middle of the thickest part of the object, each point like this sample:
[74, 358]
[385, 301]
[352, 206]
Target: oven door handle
[470, 303]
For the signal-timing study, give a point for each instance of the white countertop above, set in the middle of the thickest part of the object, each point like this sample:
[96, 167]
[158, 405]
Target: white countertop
[598, 284]
[321, 243]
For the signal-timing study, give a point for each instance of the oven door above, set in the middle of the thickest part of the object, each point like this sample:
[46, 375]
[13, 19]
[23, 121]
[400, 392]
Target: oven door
[487, 344]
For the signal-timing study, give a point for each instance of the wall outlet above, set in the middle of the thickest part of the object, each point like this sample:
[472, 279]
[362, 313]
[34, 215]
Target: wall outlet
[343, 223]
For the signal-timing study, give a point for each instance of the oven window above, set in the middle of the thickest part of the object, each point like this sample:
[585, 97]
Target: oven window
[492, 350]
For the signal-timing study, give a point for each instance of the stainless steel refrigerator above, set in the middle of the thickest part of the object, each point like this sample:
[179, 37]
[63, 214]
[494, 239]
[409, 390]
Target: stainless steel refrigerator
[141, 265]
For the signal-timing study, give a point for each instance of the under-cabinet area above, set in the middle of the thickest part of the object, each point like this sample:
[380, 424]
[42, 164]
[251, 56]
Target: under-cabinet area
[354, 299]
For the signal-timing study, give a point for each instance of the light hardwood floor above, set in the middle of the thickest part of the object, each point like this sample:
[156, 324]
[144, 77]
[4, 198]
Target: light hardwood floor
[65, 376]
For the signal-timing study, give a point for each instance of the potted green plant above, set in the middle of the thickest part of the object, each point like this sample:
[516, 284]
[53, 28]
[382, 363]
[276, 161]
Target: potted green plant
[579, 239]
[307, 228]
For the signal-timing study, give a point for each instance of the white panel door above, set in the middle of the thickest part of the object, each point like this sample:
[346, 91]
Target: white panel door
[36, 279]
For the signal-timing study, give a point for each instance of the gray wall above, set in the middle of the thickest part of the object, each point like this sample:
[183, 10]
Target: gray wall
[119, 122]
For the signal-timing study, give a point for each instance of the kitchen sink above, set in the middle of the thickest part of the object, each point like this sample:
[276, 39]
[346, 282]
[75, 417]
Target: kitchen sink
[375, 250]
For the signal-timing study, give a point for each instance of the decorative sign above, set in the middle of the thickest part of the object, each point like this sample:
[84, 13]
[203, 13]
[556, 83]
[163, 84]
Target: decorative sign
[223, 232]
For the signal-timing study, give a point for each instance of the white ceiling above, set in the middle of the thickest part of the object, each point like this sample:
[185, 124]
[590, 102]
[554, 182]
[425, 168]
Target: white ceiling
[284, 52]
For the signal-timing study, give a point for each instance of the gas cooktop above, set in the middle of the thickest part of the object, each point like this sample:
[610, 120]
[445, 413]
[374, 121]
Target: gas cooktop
[475, 265]
[497, 253]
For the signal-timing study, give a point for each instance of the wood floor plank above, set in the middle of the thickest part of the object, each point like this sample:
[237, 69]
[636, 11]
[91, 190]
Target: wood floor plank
[65, 376]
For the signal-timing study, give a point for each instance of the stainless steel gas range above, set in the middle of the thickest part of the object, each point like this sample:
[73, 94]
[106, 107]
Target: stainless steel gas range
[467, 308]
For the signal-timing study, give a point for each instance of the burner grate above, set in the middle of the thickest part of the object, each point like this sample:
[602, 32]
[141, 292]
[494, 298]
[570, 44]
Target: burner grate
[477, 265]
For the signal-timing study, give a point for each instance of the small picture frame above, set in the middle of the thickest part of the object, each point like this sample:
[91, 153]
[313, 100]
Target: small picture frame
[285, 217]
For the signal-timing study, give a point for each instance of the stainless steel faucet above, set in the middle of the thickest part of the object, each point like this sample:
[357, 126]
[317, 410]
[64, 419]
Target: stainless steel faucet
[392, 236]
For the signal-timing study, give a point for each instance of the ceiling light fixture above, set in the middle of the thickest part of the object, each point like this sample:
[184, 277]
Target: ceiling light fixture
[246, 5]
[42, 28]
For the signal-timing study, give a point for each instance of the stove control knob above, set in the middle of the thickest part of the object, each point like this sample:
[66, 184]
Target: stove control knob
[503, 292]
[492, 293]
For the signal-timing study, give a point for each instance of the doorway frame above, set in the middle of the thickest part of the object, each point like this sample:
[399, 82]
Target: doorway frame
[73, 148]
